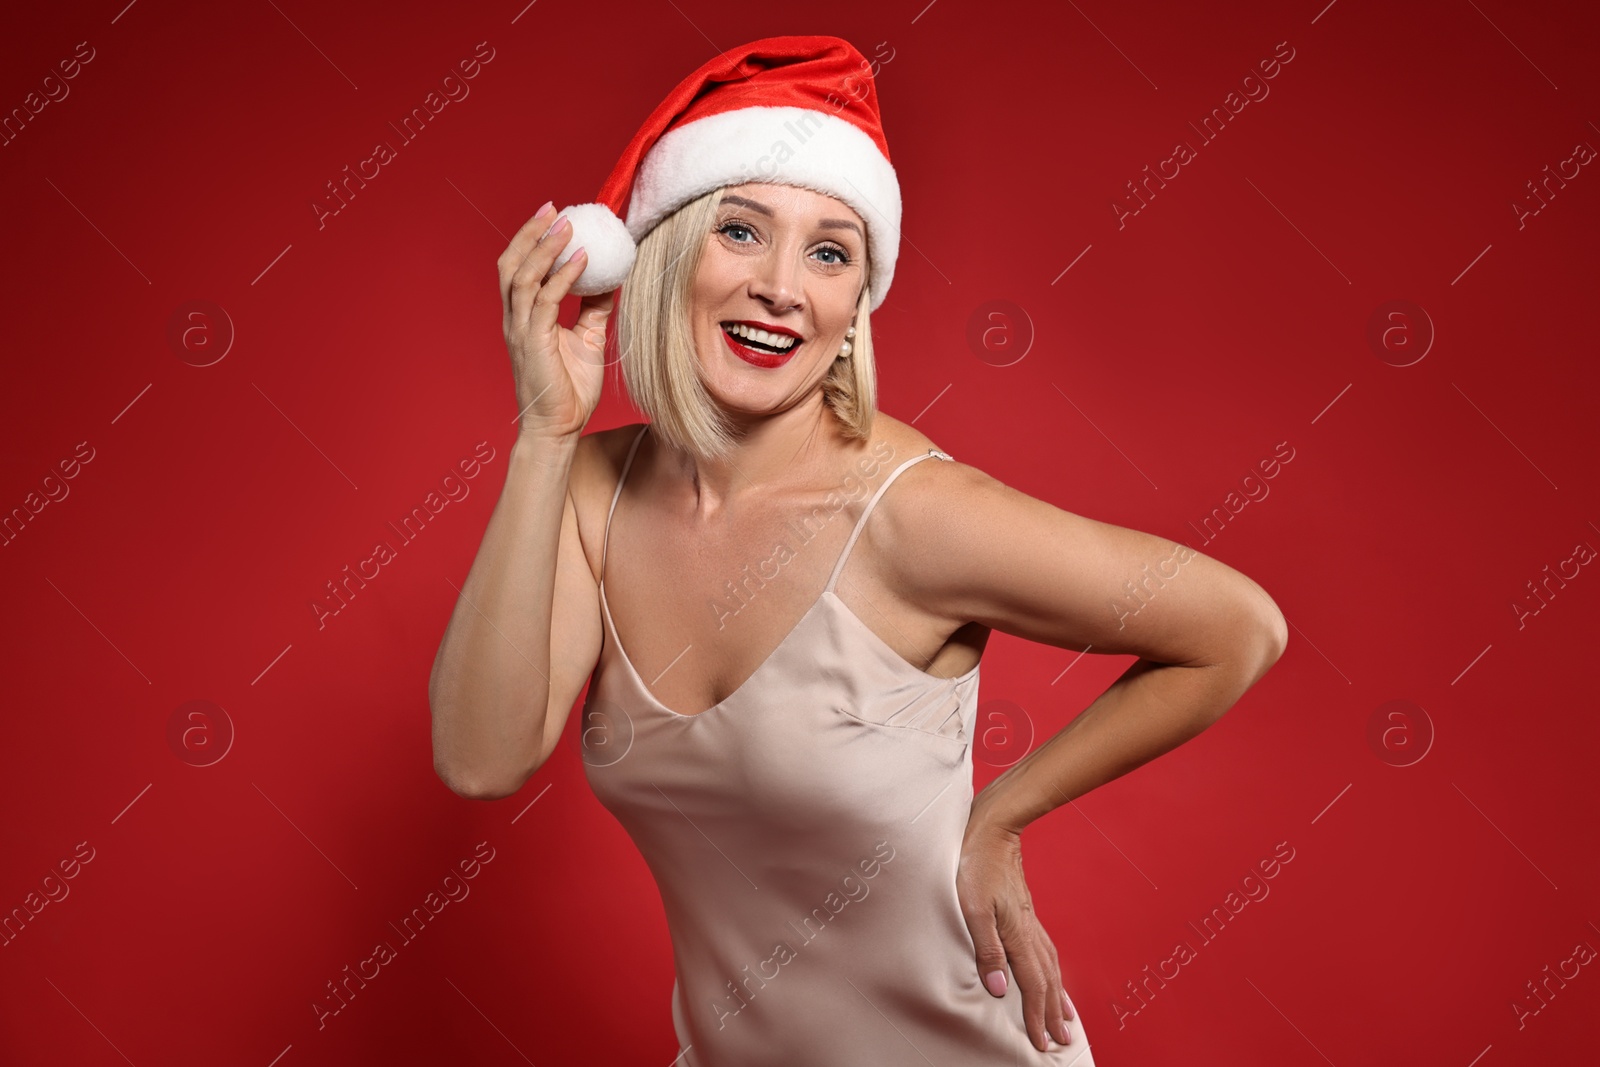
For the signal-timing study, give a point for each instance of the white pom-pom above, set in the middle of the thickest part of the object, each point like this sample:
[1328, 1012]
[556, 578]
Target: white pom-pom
[605, 241]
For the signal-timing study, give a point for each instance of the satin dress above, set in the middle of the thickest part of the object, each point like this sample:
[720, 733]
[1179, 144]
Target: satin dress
[804, 835]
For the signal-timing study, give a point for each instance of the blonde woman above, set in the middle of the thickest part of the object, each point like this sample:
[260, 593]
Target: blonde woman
[778, 597]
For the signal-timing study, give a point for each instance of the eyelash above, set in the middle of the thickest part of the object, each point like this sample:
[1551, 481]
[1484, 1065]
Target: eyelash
[844, 257]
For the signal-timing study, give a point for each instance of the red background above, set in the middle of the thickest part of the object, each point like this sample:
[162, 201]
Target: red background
[1230, 314]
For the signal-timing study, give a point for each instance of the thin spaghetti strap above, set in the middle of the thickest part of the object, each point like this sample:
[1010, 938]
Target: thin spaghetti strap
[838, 567]
[605, 539]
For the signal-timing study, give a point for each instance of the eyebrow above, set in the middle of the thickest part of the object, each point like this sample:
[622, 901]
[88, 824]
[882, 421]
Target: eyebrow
[826, 224]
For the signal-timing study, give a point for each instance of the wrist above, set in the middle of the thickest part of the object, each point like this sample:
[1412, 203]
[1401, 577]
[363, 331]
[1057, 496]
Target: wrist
[988, 823]
[546, 449]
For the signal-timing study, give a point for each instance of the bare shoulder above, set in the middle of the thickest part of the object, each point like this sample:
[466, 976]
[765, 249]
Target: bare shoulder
[596, 466]
[941, 485]
[937, 507]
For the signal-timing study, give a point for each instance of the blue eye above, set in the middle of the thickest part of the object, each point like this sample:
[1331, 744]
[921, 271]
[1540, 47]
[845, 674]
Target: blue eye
[843, 259]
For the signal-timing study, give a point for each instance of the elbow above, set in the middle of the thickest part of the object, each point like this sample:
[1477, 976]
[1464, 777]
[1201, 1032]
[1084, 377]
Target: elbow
[1269, 638]
[469, 787]
[475, 785]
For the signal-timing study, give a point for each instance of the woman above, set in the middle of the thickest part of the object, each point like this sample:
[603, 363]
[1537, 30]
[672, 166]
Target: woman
[785, 727]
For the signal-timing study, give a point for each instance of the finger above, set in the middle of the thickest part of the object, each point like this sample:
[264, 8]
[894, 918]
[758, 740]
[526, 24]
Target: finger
[991, 952]
[1033, 985]
[535, 274]
[529, 275]
[547, 301]
[1057, 1000]
[593, 314]
[516, 251]
[1028, 959]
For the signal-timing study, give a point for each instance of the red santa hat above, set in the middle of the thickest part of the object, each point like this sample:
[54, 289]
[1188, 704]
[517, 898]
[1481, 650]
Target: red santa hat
[800, 110]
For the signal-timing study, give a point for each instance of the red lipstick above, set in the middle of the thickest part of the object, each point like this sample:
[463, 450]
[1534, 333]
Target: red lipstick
[754, 358]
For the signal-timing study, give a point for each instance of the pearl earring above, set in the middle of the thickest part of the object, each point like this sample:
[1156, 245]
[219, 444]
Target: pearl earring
[846, 348]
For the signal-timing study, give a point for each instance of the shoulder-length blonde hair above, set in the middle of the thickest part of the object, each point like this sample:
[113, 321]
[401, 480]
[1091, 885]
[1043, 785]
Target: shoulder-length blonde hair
[659, 366]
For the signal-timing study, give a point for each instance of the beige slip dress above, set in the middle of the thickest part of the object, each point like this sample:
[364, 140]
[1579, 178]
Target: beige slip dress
[804, 835]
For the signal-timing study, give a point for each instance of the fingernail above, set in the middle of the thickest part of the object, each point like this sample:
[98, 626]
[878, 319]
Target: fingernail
[1063, 1034]
[561, 224]
[579, 252]
[996, 981]
[1072, 1013]
[542, 212]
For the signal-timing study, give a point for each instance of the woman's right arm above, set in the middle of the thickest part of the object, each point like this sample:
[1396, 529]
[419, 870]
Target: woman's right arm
[525, 632]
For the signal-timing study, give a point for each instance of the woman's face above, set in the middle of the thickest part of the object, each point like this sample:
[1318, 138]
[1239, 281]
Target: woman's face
[792, 260]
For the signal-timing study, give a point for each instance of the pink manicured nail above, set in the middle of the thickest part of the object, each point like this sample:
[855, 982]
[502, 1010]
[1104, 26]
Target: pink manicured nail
[561, 224]
[549, 205]
[579, 252]
[996, 982]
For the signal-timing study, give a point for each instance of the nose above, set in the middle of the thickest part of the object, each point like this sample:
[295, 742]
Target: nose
[775, 281]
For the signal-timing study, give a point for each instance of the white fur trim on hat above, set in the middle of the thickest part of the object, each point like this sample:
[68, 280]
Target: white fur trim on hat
[781, 145]
[605, 241]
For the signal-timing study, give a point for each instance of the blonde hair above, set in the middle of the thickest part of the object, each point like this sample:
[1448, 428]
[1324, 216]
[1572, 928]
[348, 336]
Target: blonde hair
[659, 366]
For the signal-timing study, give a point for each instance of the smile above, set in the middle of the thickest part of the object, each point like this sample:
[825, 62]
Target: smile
[762, 348]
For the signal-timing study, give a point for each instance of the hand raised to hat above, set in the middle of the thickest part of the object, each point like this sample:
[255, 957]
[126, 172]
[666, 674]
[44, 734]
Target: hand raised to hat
[559, 372]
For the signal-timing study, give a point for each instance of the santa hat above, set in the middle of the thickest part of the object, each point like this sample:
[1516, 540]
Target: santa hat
[800, 111]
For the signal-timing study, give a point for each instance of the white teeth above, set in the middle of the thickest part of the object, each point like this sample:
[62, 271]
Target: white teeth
[776, 340]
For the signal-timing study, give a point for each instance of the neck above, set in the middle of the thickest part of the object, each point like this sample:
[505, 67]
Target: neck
[770, 453]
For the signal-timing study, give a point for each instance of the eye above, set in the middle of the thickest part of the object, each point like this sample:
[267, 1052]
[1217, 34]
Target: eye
[726, 226]
[844, 257]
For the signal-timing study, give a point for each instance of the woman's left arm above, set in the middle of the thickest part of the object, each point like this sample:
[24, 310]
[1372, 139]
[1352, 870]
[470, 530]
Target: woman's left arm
[1203, 634]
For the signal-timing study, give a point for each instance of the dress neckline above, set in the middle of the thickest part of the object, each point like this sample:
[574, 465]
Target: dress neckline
[825, 598]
